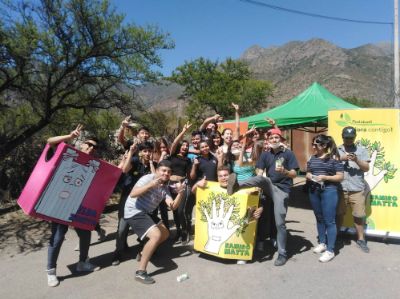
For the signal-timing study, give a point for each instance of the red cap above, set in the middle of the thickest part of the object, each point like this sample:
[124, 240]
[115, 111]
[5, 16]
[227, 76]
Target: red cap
[275, 131]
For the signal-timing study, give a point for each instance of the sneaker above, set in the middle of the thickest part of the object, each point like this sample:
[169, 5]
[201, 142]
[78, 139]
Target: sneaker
[143, 277]
[241, 262]
[177, 238]
[326, 256]
[280, 261]
[116, 259]
[101, 235]
[86, 266]
[52, 280]
[320, 248]
[362, 244]
[185, 238]
[233, 184]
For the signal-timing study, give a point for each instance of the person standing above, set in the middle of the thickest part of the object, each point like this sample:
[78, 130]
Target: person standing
[325, 172]
[59, 230]
[281, 167]
[355, 160]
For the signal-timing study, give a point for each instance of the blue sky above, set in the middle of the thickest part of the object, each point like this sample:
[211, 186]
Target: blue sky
[218, 29]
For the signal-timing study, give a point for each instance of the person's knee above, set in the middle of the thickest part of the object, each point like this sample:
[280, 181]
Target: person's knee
[358, 220]
[155, 234]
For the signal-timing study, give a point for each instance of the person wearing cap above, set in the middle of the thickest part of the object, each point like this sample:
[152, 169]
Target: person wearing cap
[356, 160]
[281, 168]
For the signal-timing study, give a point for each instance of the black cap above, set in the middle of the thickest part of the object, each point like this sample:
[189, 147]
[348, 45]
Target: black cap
[349, 132]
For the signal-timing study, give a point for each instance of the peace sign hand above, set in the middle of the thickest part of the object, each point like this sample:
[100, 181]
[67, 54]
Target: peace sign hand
[187, 126]
[126, 121]
[77, 132]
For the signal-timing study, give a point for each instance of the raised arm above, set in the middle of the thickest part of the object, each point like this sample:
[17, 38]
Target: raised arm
[272, 122]
[53, 141]
[179, 138]
[121, 133]
[236, 132]
[208, 120]
[127, 163]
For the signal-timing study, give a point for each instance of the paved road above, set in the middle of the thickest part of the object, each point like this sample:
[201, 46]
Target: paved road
[352, 274]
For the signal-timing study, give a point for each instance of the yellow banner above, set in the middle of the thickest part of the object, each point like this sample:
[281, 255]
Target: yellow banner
[378, 131]
[223, 224]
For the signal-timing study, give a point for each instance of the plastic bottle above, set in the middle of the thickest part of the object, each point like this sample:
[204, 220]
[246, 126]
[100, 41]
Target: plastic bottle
[182, 277]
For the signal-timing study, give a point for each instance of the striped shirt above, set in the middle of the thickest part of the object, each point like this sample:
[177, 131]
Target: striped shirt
[319, 166]
[148, 201]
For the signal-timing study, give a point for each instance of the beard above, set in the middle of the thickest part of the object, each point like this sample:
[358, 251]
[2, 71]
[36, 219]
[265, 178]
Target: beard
[275, 145]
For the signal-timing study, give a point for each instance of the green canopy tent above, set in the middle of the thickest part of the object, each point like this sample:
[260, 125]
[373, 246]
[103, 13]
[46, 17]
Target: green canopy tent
[308, 109]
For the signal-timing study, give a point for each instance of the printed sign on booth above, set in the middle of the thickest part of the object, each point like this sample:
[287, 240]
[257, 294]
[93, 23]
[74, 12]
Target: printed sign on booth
[224, 227]
[378, 131]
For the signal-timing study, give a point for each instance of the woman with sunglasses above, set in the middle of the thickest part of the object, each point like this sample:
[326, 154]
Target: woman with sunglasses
[325, 172]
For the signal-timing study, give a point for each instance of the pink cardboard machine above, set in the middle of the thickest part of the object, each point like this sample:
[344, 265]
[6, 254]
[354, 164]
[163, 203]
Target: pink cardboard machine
[69, 187]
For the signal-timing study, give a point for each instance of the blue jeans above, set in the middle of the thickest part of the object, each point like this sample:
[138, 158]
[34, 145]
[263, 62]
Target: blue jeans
[324, 203]
[58, 232]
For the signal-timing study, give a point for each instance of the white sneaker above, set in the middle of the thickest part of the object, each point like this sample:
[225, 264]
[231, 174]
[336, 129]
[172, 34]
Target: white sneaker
[241, 262]
[320, 248]
[326, 256]
[52, 280]
[86, 266]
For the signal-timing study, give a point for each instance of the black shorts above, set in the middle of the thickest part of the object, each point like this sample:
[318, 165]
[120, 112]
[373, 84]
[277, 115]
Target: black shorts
[142, 222]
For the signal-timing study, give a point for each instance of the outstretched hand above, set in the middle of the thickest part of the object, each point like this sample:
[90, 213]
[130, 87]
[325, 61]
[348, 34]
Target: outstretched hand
[220, 228]
[372, 179]
[235, 106]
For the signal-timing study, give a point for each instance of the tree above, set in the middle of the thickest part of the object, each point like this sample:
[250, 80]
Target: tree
[58, 55]
[364, 103]
[213, 86]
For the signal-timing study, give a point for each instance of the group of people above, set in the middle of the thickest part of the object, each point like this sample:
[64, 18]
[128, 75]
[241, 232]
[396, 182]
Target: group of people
[158, 176]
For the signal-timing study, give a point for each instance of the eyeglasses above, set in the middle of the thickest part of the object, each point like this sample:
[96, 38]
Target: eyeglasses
[91, 145]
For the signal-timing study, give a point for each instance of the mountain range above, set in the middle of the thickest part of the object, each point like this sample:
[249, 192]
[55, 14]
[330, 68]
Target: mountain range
[365, 72]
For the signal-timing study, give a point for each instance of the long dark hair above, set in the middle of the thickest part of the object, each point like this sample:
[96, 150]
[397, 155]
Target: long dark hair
[178, 148]
[210, 141]
[330, 145]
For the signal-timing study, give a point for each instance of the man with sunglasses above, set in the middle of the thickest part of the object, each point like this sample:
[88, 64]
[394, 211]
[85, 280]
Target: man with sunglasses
[355, 159]
[59, 230]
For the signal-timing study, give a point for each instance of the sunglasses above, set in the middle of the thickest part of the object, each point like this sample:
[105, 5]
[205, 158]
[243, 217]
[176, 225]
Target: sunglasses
[91, 145]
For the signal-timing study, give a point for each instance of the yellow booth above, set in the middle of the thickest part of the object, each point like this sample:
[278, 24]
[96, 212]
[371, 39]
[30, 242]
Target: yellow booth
[378, 131]
[224, 227]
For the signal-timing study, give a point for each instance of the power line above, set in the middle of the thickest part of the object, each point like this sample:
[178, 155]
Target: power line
[304, 13]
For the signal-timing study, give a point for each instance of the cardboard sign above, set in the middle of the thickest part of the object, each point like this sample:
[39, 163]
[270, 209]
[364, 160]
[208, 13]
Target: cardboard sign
[378, 131]
[224, 227]
[69, 187]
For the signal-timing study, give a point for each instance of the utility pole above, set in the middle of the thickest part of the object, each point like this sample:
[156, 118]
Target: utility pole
[396, 55]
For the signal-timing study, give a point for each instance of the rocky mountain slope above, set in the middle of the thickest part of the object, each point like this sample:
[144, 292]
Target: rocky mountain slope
[364, 72]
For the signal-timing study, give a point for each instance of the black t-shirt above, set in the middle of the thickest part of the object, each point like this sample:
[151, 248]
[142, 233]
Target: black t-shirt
[267, 162]
[207, 168]
[180, 165]
[137, 171]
